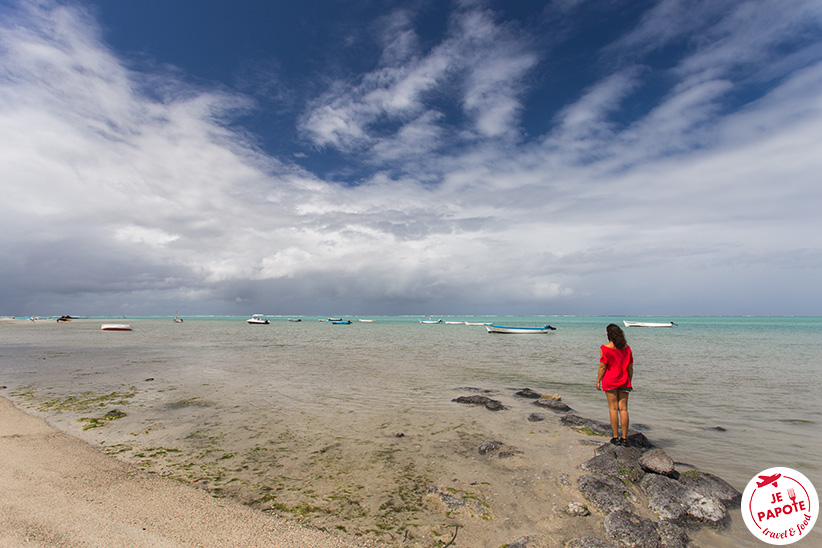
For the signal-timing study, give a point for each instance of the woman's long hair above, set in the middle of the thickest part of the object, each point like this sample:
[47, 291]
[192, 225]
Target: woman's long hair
[616, 336]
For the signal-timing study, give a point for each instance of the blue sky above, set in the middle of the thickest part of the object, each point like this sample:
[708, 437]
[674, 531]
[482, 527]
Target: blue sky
[467, 157]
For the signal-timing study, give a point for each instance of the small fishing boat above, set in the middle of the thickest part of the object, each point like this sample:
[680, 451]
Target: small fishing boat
[648, 324]
[177, 318]
[115, 327]
[491, 328]
[429, 320]
[257, 319]
[474, 323]
[295, 319]
[341, 322]
[366, 321]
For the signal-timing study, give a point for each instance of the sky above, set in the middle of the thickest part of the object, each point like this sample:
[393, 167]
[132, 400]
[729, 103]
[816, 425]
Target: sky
[609, 157]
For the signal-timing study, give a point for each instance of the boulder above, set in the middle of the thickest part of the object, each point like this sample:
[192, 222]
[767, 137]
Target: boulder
[536, 417]
[671, 500]
[658, 462]
[610, 464]
[605, 492]
[527, 393]
[632, 531]
[711, 486]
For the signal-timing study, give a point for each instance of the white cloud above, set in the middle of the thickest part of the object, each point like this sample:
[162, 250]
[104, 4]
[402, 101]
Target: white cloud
[129, 194]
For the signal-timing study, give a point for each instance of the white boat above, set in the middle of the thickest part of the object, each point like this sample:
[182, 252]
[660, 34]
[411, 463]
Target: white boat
[366, 321]
[491, 328]
[257, 319]
[429, 320]
[474, 323]
[648, 324]
[115, 327]
[177, 318]
[455, 323]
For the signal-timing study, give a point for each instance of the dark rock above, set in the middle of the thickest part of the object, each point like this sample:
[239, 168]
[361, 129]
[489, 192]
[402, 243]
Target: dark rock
[553, 405]
[528, 393]
[610, 463]
[658, 462]
[490, 445]
[605, 492]
[588, 542]
[581, 424]
[536, 417]
[672, 535]
[493, 405]
[711, 486]
[719, 429]
[632, 531]
[399, 435]
[149, 379]
[618, 451]
[671, 500]
[638, 439]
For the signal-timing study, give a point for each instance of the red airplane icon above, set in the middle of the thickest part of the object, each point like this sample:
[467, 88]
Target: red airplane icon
[766, 480]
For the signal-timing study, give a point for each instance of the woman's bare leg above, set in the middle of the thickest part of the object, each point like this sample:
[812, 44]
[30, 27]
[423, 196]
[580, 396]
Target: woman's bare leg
[622, 404]
[613, 409]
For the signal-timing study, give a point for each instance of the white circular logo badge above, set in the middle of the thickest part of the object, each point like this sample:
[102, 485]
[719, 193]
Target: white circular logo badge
[780, 506]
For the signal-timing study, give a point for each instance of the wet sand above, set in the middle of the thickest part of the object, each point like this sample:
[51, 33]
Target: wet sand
[58, 491]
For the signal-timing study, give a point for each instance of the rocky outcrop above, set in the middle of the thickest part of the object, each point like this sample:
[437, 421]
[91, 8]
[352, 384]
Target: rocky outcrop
[492, 404]
[617, 475]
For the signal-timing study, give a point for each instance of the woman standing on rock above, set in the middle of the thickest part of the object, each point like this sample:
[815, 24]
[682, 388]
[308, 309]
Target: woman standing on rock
[616, 369]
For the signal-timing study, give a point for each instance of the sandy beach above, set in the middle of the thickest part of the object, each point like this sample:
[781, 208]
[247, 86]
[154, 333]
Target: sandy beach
[58, 491]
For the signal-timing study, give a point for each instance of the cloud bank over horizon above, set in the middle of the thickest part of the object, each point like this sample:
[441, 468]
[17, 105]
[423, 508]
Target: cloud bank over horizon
[457, 167]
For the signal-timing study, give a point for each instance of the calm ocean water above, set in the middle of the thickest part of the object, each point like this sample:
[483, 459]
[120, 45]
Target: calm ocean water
[731, 395]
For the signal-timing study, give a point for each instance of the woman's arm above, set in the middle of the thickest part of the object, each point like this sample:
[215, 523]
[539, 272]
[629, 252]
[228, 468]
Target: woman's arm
[602, 367]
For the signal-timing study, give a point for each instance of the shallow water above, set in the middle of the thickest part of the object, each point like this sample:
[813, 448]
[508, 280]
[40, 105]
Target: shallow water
[355, 422]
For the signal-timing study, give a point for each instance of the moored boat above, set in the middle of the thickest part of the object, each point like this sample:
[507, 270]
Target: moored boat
[257, 319]
[429, 320]
[341, 322]
[492, 328]
[115, 327]
[648, 324]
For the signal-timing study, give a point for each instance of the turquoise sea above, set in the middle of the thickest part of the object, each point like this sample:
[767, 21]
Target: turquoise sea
[730, 395]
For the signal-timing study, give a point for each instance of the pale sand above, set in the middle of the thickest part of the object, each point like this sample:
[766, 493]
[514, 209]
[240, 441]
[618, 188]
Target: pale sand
[58, 491]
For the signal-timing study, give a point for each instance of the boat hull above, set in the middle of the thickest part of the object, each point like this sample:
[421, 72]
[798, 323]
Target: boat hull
[115, 327]
[648, 324]
[512, 330]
